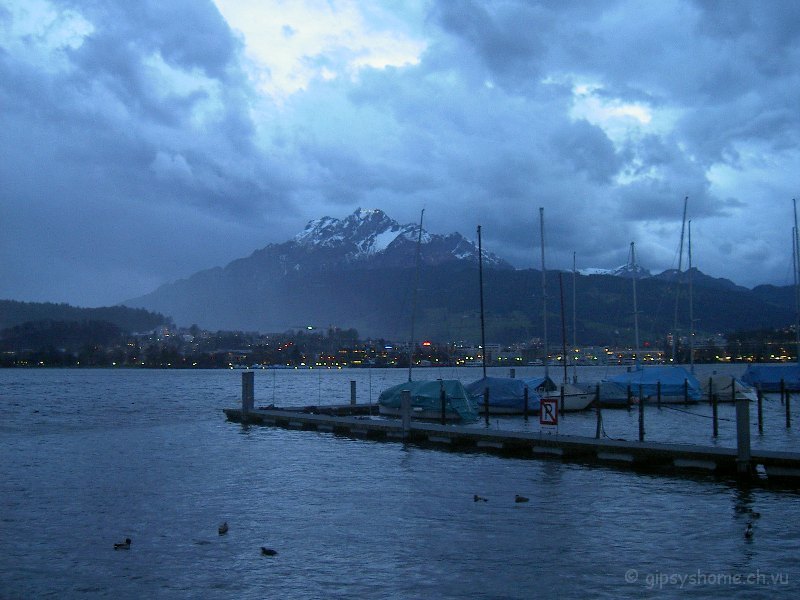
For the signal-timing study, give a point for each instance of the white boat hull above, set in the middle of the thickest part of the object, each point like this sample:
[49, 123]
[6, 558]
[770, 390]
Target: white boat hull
[575, 399]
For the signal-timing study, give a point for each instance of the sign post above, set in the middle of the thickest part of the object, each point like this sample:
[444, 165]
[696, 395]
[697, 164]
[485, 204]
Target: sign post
[548, 413]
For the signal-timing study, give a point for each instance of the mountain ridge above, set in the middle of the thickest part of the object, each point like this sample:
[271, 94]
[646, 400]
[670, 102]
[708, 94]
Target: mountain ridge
[358, 272]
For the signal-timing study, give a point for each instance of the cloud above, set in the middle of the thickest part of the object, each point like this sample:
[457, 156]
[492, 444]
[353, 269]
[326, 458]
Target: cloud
[187, 134]
[292, 44]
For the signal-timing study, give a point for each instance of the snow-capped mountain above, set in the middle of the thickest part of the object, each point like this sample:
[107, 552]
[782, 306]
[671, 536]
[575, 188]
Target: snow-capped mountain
[369, 238]
[370, 231]
[625, 270]
[359, 272]
[320, 275]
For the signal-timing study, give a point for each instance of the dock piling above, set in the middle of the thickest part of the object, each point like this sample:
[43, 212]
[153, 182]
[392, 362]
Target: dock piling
[443, 403]
[352, 392]
[405, 411]
[599, 428]
[512, 373]
[760, 397]
[788, 412]
[714, 409]
[743, 466]
[525, 398]
[248, 391]
[641, 415]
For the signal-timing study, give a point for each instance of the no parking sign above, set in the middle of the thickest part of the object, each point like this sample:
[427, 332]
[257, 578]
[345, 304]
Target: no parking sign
[548, 412]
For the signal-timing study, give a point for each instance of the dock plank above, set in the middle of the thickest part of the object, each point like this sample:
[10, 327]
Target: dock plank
[634, 454]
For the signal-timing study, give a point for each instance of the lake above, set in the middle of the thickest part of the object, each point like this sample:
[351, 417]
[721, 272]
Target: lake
[90, 457]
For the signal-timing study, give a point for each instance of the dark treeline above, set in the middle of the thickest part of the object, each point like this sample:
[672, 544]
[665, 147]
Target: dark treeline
[69, 335]
[126, 319]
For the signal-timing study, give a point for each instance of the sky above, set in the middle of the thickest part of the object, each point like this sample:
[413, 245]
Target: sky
[141, 142]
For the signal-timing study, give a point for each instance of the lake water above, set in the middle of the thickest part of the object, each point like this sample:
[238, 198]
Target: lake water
[90, 457]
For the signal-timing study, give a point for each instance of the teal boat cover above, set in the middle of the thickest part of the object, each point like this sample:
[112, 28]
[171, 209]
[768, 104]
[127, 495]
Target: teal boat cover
[426, 395]
[504, 392]
[672, 379]
[767, 378]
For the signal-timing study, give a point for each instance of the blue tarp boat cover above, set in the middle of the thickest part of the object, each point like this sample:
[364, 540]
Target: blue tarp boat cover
[615, 394]
[767, 378]
[426, 395]
[504, 392]
[672, 379]
[540, 384]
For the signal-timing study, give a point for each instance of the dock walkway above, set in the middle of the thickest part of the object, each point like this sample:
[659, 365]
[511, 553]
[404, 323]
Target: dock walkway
[784, 466]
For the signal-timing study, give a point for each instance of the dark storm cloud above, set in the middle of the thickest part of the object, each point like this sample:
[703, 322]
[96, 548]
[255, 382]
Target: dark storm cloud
[96, 153]
[144, 151]
[506, 41]
[588, 150]
[185, 32]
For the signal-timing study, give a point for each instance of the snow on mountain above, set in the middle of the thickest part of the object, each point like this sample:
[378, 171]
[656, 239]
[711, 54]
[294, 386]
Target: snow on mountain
[622, 271]
[370, 233]
[594, 271]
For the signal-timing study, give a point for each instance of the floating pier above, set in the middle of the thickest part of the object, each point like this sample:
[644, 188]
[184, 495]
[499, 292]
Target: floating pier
[644, 455]
[354, 420]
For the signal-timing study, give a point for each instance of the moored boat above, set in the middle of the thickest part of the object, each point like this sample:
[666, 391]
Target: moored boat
[615, 395]
[576, 398]
[725, 388]
[506, 395]
[665, 384]
[427, 398]
[768, 378]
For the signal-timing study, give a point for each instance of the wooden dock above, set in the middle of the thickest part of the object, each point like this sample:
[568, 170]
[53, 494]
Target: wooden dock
[354, 421]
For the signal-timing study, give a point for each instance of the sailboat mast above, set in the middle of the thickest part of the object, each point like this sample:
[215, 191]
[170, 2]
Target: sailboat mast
[678, 281]
[796, 263]
[635, 306]
[563, 324]
[544, 291]
[574, 319]
[483, 324]
[691, 302]
[414, 301]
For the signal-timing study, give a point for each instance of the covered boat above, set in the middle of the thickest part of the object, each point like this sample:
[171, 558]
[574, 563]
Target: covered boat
[615, 395]
[506, 395]
[575, 397]
[725, 388]
[426, 400]
[677, 384]
[541, 385]
[767, 378]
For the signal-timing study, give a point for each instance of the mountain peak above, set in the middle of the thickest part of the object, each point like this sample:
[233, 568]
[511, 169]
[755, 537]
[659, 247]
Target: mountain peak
[626, 270]
[368, 230]
[372, 234]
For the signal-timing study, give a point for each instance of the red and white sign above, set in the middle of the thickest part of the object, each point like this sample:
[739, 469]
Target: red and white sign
[548, 412]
